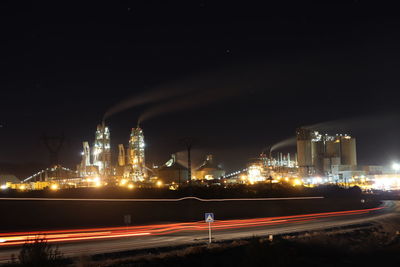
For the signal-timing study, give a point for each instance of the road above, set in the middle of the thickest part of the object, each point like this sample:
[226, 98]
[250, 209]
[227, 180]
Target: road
[78, 242]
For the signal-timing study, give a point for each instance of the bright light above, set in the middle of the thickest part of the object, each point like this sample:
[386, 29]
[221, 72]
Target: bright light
[97, 183]
[54, 187]
[123, 182]
[4, 186]
[22, 187]
[296, 182]
[131, 186]
[159, 183]
[387, 182]
[396, 166]
[255, 174]
[208, 177]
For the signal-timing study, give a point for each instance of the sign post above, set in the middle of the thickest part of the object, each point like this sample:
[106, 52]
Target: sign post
[209, 219]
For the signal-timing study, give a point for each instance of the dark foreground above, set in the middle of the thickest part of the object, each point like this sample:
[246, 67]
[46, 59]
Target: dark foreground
[375, 245]
[182, 247]
[372, 247]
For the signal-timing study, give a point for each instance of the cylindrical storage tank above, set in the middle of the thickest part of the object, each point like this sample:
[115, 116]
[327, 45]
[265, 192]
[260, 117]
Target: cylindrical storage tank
[304, 156]
[333, 148]
[348, 151]
[317, 154]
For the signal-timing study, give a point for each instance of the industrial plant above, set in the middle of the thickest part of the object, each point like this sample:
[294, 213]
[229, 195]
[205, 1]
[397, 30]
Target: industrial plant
[320, 158]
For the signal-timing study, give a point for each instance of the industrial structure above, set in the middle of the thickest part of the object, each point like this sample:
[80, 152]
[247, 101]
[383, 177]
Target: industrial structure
[209, 170]
[319, 159]
[172, 172]
[136, 155]
[102, 150]
[323, 154]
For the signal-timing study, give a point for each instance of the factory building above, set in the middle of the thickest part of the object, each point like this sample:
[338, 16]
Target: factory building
[209, 170]
[280, 161]
[173, 172]
[102, 150]
[323, 154]
[130, 163]
[121, 155]
[97, 161]
[136, 155]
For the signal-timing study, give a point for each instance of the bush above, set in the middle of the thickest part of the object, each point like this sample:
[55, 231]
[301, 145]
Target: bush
[39, 252]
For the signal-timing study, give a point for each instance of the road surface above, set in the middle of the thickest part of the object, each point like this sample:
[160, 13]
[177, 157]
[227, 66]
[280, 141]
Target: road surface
[92, 241]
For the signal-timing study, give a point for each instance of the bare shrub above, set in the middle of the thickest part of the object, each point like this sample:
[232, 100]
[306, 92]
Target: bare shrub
[40, 253]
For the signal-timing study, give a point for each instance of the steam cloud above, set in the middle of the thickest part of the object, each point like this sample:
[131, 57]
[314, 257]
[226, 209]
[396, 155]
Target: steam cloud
[284, 143]
[157, 94]
[195, 91]
[210, 88]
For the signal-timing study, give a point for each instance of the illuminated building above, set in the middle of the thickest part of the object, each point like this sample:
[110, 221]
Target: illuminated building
[209, 170]
[282, 160]
[101, 150]
[86, 168]
[136, 155]
[322, 154]
[121, 155]
[173, 172]
[255, 174]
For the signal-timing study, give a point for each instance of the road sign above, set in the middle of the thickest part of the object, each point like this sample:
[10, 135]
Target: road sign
[209, 217]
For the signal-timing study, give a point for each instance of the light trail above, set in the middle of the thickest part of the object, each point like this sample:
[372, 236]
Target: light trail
[154, 199]
[76, 235]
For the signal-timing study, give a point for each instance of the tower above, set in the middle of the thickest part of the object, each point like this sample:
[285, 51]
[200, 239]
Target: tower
[101, 150]
[304, 151]
[121, 155]
[136, 155]
[86, 154]
[85, 163]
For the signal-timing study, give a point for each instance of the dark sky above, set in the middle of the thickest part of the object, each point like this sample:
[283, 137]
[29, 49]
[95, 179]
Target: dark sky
[63, 66]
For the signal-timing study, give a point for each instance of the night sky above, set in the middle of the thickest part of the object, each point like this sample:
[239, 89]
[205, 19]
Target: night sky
[248, 75]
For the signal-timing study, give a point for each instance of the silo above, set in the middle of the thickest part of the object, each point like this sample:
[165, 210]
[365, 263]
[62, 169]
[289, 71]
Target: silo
[304, 151]
[318, 153]
[333, 148]
[348, 151]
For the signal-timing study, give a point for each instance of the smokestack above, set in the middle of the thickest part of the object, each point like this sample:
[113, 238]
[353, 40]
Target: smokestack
[188, 143]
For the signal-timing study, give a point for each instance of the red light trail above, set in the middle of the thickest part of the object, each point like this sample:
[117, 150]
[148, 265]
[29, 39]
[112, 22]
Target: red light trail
[74, 235]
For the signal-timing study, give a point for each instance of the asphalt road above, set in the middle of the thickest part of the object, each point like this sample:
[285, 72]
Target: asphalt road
[105, 240]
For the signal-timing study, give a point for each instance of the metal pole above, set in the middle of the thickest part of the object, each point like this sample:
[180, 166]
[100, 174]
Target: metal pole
[209, 232]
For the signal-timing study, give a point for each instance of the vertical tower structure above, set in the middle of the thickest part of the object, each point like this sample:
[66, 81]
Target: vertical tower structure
[304, 151]
[136, 155]
[348, 153]
[121, 155]
[101, 150]
[317, 153]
